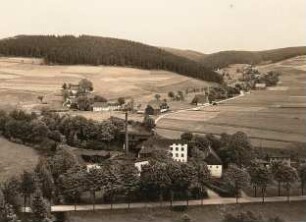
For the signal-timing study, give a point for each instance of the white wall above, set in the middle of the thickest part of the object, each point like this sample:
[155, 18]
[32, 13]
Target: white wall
[215, 170]
[179, 152]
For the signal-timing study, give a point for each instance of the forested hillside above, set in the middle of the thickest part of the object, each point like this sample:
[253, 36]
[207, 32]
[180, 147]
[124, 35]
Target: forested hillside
[189, 54]
[90, 50]
[223, 59]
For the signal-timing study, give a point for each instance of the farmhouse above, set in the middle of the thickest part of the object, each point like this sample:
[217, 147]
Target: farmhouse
[105, 106]
[156, 107]
[139, 165]
[73, 88]
[200, 99]
[177, 150]
[260, 86]
[214, 163]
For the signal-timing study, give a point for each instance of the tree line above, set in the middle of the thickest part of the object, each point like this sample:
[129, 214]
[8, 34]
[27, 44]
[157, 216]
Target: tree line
[45, 132]
[226, 58]
[91, 50]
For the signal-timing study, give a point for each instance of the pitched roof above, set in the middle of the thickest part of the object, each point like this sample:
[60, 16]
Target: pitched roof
[100, 104]
[212, 158]
[157, 143]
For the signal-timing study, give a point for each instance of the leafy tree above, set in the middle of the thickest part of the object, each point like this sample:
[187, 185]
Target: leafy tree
[84, 103]
[92, 183]
[187, 136]
[121, 101]
[239, 150]
[85, 85]
[155, 177]
[202, 177]
[10, 190]
[61, 162]
[260, 177]
[27, 186]
[39, 208]
[149, 122]
[302, 175]
[181, 95]
[157, 96]
[130, 180]
[236, 177]
[40, 98]
[45, 179]
[72, 183]
[171, 95]
[64, 86]
[7, 213]
[248, 216]
[113, 182]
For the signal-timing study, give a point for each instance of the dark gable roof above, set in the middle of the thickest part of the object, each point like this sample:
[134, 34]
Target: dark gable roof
[157, 143]
[100, 104]
[212, 158]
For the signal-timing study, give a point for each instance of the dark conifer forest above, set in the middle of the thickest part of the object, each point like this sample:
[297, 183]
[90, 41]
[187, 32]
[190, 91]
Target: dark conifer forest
[91, 50]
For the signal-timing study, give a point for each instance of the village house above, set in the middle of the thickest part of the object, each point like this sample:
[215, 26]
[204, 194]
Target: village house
[260, 86]
[73, 89]
[176, 149]
[156, 107]
[214, 163]
[105, 106]
[179, 152]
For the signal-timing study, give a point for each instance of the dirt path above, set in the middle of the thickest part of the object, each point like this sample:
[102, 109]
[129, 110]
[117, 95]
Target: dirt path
[206, 202]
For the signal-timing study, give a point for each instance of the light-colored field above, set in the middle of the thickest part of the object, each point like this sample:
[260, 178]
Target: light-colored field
[15, 158]
[21, 83]
[272, 118]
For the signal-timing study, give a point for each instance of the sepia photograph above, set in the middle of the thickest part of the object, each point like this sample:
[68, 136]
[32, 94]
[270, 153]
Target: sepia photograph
[152, 111]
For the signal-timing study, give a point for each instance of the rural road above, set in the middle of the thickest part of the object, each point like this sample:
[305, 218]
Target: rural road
[206, 202]
[194, 108]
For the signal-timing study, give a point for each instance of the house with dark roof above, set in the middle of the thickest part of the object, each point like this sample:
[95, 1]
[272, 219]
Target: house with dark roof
[214, 163]
[105, 106]
[177, 150]
[156, 107]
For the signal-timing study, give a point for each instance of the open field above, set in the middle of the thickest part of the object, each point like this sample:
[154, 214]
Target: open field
[15, 158]
[21, 83]
[272, 118]
[295, 211]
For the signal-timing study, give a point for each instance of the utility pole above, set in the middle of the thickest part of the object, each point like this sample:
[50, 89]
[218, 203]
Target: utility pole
[126, 134]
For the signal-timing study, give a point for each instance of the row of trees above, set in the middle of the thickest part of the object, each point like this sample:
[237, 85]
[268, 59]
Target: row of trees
[50, 129]
[92, 50]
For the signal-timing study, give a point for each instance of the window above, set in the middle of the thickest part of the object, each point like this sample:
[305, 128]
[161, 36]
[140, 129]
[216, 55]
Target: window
[176, 155]
[176, 148]
[171, 148]
[182, 149]
[182, 155]
[217, 167]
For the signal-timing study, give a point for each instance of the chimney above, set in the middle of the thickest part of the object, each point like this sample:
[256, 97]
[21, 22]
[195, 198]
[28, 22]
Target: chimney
[126, 134]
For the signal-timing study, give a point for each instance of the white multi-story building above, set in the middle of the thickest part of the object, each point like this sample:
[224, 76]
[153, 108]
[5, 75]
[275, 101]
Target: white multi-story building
[179, 152]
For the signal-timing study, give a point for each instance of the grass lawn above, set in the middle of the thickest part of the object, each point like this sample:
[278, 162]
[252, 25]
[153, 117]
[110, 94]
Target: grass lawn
[295, 211]
[15, 158]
